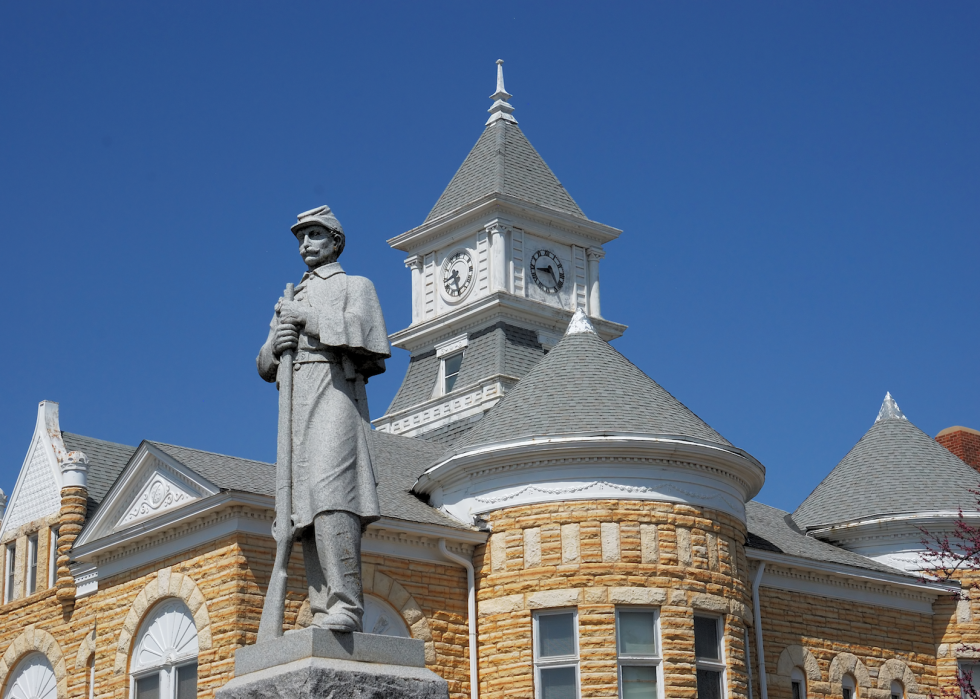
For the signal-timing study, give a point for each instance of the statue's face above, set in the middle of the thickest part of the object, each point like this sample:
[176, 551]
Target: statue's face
[317, 246]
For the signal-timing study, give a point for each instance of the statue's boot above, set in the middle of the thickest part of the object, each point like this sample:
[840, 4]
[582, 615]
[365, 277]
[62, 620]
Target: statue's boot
[336, 622]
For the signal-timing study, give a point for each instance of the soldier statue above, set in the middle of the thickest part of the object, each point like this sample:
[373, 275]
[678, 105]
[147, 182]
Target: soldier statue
[333, 334]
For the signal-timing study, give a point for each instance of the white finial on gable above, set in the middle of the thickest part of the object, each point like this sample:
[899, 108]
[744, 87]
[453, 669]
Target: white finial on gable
[580, 323]
[890, 410]
[501, 108]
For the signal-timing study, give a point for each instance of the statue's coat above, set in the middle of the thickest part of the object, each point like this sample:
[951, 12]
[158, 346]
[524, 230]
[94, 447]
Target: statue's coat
[332, 467]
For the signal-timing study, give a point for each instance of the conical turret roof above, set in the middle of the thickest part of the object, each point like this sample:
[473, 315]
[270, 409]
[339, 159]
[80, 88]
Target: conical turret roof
[503, 161]
[583, 385]
[895, 468]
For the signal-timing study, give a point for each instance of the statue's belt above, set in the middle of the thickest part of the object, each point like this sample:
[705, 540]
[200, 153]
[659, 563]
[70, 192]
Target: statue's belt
[304, 356]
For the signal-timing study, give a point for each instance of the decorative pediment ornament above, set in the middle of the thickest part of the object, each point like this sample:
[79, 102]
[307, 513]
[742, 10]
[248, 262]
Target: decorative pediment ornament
[159, 495]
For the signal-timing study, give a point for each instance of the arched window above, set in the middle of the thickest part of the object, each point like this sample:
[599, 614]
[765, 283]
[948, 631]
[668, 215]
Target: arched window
[898, 690]
[32, 678]
[381, 618]
[799, 683]
[848, 687]
[164, 662]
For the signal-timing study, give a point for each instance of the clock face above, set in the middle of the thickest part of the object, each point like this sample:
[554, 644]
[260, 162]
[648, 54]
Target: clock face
[547, 272]
[457, 274]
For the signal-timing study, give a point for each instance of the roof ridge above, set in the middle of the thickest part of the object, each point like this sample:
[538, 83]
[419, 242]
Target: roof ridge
[210, 453]
[96, 439]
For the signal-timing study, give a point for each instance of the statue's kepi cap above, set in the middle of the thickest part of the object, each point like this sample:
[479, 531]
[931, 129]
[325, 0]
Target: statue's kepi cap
[321, 215]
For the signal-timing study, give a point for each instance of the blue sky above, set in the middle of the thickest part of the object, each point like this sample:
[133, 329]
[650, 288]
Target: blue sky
[797, 184]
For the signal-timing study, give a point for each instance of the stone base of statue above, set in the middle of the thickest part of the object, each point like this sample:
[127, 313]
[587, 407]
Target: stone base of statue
[317, 663]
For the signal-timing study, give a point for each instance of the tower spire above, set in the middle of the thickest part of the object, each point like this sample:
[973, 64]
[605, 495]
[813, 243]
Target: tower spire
[501, 108]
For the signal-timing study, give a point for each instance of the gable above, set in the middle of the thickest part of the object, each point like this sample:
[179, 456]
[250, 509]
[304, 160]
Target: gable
[161, 493]
[153, 484]
[38, 490]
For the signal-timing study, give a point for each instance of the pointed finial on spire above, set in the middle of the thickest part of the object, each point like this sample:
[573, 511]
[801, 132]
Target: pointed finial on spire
[890, 410]
[500, 109]
[580, 323]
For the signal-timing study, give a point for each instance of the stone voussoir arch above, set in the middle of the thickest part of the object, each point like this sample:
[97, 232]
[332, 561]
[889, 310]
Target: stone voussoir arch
[848, 663]
[798, 656]
[165, 584]
[895, 669]
[85, 651]
[33, 640]
[376, 583]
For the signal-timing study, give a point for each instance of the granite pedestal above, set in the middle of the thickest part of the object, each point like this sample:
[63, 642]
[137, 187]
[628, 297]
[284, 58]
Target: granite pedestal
[320, 664]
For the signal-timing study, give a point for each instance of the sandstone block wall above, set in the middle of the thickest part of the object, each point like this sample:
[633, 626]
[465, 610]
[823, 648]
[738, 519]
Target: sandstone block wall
[595, 556]
[223, 584]
[827, 638]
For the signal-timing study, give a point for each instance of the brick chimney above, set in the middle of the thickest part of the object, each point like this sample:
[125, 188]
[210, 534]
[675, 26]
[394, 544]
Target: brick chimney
[963, 442]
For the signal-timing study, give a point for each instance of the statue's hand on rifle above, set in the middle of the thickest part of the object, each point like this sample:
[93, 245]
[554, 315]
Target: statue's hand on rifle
[286, 338]
[277, 533]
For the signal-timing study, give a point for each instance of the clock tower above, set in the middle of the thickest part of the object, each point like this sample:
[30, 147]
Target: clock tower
[498, 267]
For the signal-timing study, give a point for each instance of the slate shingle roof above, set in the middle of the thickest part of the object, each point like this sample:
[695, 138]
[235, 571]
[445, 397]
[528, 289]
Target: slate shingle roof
[226, 472]
[500, 348]
[771, 529]
[583, 385]
[106, 460]
[400, 461]
[504, 161]
[397, 460]
[895, 468]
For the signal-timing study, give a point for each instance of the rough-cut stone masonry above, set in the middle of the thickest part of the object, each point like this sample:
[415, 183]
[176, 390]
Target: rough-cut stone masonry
[597, 555]
[222, 583]
[827, 638]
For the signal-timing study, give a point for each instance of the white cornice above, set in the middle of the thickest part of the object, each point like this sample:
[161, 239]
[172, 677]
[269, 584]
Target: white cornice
[231, 512]
[500, 305]
[845, 582]
[589, 466]
[519, 213]
[463, 402]
[894, 540]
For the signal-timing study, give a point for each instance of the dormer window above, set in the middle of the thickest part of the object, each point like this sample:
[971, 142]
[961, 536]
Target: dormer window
[450, 371]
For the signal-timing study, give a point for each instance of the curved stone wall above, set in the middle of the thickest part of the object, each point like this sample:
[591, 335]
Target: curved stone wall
[600, 555]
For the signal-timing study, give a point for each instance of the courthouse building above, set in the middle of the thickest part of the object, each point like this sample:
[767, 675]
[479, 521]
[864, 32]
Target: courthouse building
[555, 524]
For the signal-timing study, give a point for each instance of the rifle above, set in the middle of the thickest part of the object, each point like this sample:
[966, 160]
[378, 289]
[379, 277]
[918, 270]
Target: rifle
[283, 530]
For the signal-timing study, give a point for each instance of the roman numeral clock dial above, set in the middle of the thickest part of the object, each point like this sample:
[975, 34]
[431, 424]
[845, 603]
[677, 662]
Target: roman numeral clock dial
[547, 272]
[457, 275]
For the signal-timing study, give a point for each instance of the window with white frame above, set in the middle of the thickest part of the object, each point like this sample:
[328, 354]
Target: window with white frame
[450, 371]
[969, 674]
[638, 652]
[709, 658]
[32, 678]
[848, 687]
[10, 570]
[897, 690]
[53, 557]
[32, 564]
[798, 680]
[164, 665]
[556, 654]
